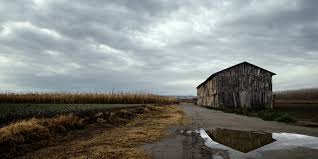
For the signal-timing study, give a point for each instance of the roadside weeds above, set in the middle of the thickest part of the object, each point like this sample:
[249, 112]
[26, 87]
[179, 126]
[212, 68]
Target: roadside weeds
[266, 114]
[122, 141]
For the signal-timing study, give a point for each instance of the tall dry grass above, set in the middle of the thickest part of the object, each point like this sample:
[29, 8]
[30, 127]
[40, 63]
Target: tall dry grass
[86, 98]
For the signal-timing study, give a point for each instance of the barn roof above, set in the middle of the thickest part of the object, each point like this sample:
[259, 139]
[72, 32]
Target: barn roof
[214, 74]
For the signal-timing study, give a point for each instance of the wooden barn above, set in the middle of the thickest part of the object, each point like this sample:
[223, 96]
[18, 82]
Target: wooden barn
[241, 86]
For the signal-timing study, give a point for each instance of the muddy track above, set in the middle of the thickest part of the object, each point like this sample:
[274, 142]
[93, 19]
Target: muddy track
[184, 142]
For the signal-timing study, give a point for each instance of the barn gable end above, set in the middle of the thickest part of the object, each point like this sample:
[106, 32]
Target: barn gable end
[241, 86]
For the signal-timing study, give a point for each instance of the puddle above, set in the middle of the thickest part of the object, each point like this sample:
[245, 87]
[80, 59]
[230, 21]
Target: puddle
[252, 144]
[243, 141]
[226, 144]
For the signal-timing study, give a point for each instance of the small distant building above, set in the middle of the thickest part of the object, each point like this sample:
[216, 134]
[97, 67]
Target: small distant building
[241, 86]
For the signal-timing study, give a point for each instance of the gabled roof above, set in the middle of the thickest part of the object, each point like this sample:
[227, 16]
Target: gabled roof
[214, 74]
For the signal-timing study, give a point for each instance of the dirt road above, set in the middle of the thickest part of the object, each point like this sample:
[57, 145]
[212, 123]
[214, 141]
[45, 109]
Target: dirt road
[186, 142]
[207, 118]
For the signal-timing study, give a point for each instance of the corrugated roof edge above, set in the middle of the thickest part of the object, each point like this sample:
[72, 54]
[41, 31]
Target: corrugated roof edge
[214, 74]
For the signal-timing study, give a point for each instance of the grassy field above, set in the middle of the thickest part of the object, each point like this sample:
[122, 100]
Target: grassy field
[14, 112]
[299, 110]
[14, 106]
[301, 104]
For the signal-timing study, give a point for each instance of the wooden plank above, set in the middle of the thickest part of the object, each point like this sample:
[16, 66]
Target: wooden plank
[234, 100]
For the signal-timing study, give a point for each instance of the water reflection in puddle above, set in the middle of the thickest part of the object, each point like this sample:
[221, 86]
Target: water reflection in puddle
[243, 141]
[252, 144]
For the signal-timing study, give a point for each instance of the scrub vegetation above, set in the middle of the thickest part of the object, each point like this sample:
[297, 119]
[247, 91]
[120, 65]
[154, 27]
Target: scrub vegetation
[33, 133]
[276, 116]
[266, 114]
[115, 133]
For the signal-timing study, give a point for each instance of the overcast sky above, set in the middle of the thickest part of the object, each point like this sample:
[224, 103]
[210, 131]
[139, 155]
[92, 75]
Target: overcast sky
[157, 46]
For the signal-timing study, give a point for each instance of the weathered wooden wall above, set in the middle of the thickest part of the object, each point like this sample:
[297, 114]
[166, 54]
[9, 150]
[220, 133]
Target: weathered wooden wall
[242, 86]
[207, 94]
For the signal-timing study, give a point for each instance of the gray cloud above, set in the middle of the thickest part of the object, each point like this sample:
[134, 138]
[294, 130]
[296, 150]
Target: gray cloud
[158, 46]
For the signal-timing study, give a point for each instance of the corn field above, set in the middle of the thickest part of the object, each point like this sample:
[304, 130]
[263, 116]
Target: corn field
[85, 98]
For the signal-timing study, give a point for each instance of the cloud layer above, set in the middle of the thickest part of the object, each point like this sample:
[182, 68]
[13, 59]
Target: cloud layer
[158, 46]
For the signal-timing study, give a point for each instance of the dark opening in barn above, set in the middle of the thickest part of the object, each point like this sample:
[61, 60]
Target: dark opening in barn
[241, 86]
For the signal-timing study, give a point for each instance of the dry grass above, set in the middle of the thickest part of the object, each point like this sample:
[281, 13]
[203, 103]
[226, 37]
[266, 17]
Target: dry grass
[120, 142]
[84, 98]
[16, 133]
[63, 122]
[24, 135]
[22, 131]
[33, 133]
